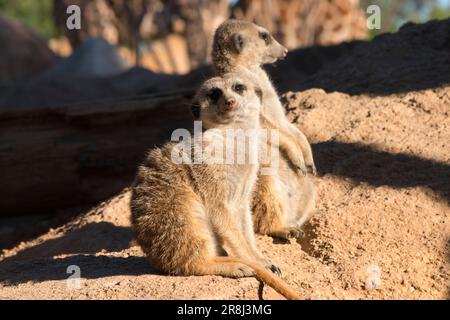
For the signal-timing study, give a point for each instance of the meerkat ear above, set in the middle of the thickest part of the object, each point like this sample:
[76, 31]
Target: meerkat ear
[259, 93]
[239, 41]
[195, 110]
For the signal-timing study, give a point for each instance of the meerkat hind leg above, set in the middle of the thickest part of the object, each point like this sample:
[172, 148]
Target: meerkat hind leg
[249, 235]
[236, 242]
[269, 211]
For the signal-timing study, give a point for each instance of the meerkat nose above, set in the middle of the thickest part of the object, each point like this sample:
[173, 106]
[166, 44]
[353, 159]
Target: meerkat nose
[231, 103]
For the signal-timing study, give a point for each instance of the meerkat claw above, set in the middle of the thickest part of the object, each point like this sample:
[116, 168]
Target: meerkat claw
[312, 169]
[303, 170]
[296, 233]
[275, 269]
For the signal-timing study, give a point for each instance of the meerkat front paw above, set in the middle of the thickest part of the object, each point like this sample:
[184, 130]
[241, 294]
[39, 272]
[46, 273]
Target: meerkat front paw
[311, 168]
[288, 233]
[275, 269]
[296, 233]
[269, 264]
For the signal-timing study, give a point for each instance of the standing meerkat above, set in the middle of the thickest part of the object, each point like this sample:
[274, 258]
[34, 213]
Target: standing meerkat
[284, 201]
[186, 215]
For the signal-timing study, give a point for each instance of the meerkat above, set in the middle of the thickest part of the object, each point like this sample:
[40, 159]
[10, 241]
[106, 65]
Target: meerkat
[283, 202]
[187, 215]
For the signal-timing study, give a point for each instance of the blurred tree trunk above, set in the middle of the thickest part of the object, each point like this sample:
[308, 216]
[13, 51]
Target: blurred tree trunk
[300, 23]
[200, 18]
[176, 35]
[131, 22]
[97, 20]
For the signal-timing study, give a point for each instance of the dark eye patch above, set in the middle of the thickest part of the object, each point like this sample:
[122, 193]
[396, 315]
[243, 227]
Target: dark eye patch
[259, 93]
[195, 110]
[214, 94]
[239, 88]
[265, 36]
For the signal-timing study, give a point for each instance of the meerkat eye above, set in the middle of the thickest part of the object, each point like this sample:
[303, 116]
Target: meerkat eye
[265, 36]
[239, 88]
[214, 94]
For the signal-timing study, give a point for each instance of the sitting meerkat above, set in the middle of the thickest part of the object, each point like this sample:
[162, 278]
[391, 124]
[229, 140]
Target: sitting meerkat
[283, 202]
[187, 215]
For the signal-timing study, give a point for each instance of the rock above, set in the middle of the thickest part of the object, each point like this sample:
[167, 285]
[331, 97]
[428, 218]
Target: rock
[23, 52]
[92, 58]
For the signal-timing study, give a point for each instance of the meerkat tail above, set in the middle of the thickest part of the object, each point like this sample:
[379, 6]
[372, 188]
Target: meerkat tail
[266, 276]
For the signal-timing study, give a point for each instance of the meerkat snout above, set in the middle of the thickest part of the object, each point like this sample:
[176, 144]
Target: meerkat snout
[275, 50]
[279, 52]
[231, 103]
[222, 100]
[284, 53]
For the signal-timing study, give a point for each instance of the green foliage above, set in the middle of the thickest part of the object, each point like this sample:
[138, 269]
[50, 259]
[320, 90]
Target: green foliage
[440, 13]
[396, 13]
[37, 14]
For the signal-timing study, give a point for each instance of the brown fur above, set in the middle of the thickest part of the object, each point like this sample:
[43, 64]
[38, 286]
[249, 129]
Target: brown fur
[284, 201]
[186, 216]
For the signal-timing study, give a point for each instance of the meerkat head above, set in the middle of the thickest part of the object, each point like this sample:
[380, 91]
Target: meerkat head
[243, 43]
[229, 99]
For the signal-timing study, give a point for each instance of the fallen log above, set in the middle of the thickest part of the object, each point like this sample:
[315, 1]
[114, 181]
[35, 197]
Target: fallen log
[56, 157]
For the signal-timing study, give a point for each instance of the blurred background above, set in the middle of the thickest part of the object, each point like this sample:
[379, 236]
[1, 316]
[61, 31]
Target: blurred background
[174, 36]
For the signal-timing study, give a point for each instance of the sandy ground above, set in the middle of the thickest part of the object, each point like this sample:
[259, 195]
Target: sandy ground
[382, 230]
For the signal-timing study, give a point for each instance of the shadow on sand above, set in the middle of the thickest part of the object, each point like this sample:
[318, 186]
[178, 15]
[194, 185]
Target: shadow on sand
[363, 164]
[41, 262]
